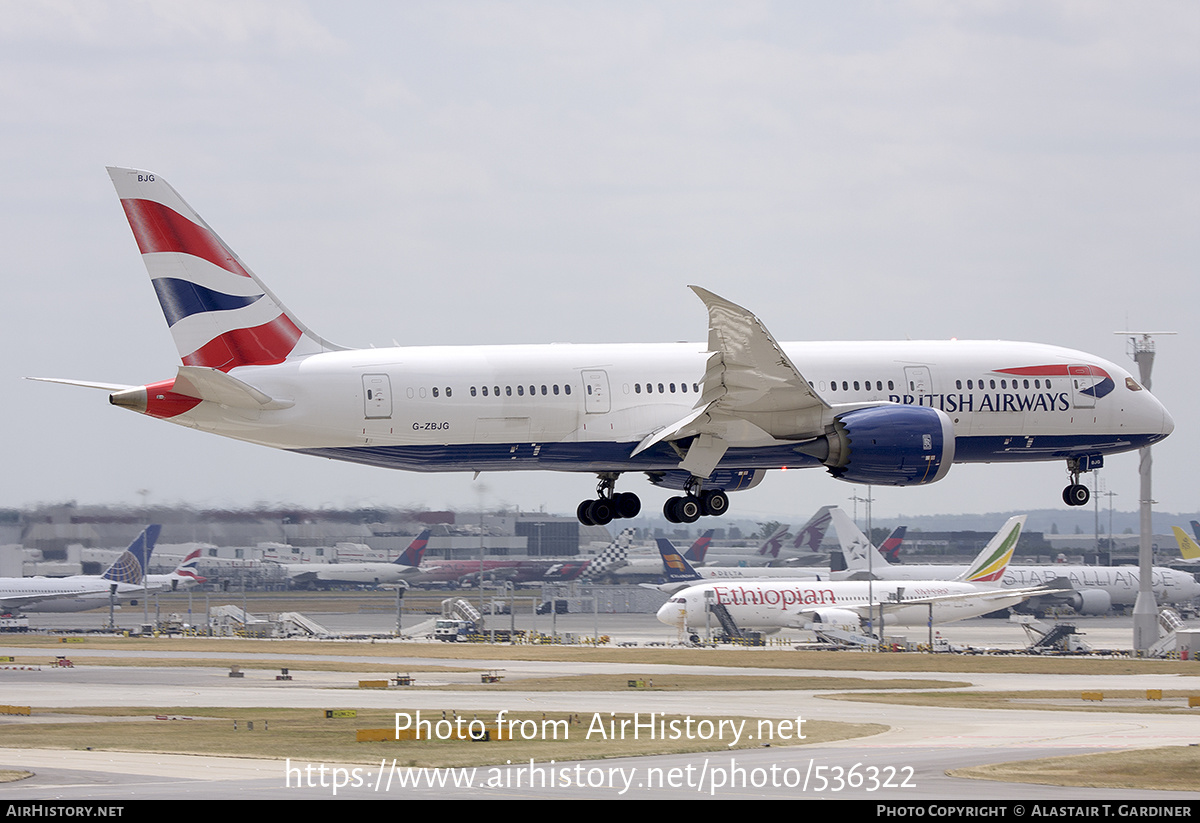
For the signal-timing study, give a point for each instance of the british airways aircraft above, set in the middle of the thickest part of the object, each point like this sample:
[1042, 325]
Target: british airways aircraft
[704, 419]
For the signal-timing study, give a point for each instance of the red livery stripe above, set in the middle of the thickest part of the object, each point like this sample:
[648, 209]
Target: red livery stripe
[259, 346]
[162, 402]
[158, 228]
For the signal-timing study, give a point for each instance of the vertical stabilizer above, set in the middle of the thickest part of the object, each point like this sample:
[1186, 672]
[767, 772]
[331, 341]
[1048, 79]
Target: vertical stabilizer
[131, 566]
[220, 315]
[990, 565]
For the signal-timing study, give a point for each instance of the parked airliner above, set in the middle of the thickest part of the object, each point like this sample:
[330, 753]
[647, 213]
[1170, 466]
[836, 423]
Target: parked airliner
[1094, 589]
[82, 592]
[182, 578]
[403, 568]
[771, 605]
[701, 418]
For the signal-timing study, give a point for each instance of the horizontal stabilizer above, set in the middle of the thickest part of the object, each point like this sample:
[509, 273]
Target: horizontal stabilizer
[108, 387]
[218, 387]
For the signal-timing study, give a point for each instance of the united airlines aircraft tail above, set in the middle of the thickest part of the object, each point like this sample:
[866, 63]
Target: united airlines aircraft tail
[220, 314]
[131, 566]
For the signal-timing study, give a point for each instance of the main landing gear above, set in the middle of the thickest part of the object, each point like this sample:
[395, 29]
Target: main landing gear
[608, 505]
[695, 504]
[1077, 494]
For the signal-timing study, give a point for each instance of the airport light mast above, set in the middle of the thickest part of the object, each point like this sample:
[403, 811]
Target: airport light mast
[1145, 609]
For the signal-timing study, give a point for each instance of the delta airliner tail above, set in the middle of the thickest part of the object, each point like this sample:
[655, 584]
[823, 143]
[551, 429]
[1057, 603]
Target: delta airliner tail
[415, 552]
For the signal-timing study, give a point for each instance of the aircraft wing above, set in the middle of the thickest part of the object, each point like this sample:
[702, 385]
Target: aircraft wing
[86, 384]
[887, 606]
[751, 389]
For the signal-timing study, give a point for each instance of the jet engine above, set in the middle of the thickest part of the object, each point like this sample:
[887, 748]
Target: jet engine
[1090, 601]
[890, 446]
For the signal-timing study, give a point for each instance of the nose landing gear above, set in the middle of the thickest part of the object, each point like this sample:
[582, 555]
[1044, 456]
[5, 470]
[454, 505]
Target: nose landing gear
[1077, 494]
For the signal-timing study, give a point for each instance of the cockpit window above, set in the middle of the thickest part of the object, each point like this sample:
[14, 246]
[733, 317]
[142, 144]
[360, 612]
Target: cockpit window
[1131, 384]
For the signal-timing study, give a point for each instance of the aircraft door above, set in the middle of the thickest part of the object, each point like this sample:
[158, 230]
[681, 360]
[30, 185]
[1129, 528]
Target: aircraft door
[595, 391]
[377, 396]
[1083, 385]
[918, 380]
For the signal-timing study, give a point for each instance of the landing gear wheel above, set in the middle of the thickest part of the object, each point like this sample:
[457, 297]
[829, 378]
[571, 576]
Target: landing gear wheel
[1076, 494]
[669, 510]
[608, 506]
[714, 503]
[627, 505]
[688, 508]
[600, 512]
[582, 513]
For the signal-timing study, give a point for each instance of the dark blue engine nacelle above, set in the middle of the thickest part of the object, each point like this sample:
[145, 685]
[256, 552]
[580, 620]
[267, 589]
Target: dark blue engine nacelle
[891, 446]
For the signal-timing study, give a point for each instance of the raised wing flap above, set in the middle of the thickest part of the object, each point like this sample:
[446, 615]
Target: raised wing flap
[756, 373]
[218, 387]
[751, 390]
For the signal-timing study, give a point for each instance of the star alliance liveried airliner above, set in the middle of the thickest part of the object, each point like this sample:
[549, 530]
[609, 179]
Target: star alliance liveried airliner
[701, 418]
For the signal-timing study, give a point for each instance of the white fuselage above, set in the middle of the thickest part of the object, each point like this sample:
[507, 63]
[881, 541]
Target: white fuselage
[774, 605]
[1119, 582]
[368, 573]
[586, 407]
[61, 594]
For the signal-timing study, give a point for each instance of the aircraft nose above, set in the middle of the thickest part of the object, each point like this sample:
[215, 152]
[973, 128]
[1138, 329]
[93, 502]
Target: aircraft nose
[671, 614]
[1168, 422]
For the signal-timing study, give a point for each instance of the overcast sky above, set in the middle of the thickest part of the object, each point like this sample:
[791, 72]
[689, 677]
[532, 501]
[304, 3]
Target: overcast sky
[462, 173]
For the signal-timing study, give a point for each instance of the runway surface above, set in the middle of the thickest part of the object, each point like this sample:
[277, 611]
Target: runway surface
[906, 763]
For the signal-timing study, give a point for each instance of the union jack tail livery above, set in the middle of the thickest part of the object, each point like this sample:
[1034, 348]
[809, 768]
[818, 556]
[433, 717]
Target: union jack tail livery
[221, 316]
[188, 569]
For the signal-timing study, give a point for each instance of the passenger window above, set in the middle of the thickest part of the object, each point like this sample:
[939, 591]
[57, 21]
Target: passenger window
[435, 391]
[472, 391]
[521, 391]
